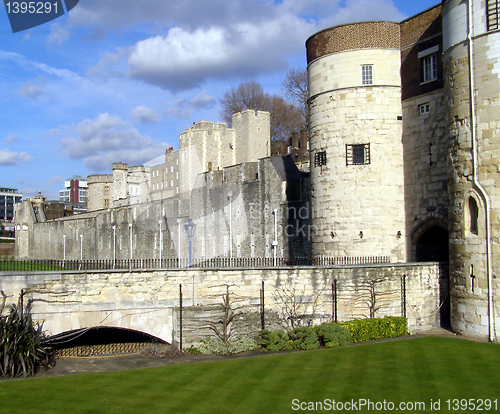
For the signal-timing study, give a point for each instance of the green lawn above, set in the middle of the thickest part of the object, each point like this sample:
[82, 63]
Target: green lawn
[428, 369]
[26, 266]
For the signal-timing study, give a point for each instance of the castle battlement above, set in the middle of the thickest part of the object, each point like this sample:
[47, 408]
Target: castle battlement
[100, 178]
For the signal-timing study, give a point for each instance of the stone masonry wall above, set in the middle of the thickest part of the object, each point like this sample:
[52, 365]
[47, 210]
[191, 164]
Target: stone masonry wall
[350, 199]
[148, 301]
[469, 230]
[425, 166]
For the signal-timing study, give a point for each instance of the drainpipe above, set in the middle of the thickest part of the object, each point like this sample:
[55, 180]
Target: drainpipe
[475, 181]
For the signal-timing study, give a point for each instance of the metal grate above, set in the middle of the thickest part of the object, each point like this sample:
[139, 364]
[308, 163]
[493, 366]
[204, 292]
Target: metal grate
[320, 158]
[358, 154]
[493, 13]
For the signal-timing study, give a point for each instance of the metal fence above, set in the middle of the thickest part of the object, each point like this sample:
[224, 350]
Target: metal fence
[9, 265]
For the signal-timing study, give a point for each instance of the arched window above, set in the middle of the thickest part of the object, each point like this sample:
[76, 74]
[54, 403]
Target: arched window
[473, 215]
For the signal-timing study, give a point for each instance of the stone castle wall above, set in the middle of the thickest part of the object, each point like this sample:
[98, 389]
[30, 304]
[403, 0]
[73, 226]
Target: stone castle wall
[148, 301]
[474, 180]
[206, 146]
[425, 166]
[357, 209]
[232, 208]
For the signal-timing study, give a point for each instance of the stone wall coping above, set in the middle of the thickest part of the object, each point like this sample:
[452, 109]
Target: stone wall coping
[58, 274]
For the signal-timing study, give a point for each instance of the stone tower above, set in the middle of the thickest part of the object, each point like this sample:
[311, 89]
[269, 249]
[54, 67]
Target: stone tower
[471, 60]
[355, 141]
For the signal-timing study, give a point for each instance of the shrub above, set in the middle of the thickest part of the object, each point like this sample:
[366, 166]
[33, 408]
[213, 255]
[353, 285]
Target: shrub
[161, 351]
[369, 329]
[331, 335]
[211, 346]
[303, 338]
[274, 341]
[22, 349]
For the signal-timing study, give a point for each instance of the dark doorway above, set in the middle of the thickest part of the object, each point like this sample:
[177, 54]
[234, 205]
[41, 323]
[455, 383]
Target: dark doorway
[432, 246]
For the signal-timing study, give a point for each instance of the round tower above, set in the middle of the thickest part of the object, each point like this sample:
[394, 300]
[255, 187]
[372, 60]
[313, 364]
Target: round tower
[356, 148]
[471, 62]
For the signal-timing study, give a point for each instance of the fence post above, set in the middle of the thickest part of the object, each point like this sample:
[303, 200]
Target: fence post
[334, 300]
[403, 296]
[262, 309]
[180, 316]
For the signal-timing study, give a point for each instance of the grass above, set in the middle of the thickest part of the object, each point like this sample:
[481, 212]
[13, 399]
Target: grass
[7, 265]
[412, 370]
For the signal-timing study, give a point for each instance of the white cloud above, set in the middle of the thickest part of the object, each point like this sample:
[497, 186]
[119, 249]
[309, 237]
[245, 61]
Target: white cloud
[364, 10]
[255, 38]
[188, 13]
[30, 65]
[185, 59]
[11, 138]
[184, 108]
[58, 35]
[203, 100]
[8, 157]
[55, 180]
[30, 90]
[108, 139]
[144, 115]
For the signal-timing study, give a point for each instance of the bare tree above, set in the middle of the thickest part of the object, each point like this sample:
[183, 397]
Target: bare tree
[296, 308]
[286, 117]
[372, 295]
[223, 328]
[248, 95]
[295, 88]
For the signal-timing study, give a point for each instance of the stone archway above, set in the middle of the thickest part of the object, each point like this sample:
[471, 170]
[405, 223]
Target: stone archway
[430, 242]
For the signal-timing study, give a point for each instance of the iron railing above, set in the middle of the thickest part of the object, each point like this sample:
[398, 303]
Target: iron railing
[10, 265]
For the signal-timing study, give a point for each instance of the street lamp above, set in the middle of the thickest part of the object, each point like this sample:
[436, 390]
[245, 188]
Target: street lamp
[190, 227]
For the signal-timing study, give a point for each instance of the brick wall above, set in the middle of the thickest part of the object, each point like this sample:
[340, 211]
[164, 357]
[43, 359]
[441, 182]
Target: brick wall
[365, 35]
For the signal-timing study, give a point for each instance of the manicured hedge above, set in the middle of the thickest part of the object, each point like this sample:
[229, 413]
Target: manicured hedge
[377, 328]
[331, 334]
[303, 338]
[274, 341]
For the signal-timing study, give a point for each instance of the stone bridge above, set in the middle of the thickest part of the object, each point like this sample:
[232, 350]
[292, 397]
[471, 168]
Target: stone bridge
[148, 300]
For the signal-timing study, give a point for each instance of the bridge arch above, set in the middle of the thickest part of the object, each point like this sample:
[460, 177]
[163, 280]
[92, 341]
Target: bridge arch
[101, 340]
[158, 323]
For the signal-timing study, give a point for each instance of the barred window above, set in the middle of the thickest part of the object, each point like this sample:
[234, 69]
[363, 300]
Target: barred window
[493, 14]
[366, 74]
[320, 158]
[358, 154]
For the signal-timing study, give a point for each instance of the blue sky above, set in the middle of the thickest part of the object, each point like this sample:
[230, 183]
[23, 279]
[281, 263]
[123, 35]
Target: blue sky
[119, 80]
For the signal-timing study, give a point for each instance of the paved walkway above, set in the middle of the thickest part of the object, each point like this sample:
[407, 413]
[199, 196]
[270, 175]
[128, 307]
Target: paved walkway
[105, 363]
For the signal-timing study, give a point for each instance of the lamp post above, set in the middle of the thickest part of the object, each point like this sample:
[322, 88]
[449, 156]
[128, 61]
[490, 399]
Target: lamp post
[190, 228]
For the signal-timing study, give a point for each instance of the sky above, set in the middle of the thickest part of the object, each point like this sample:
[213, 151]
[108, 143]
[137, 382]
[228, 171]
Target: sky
[119, 80]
